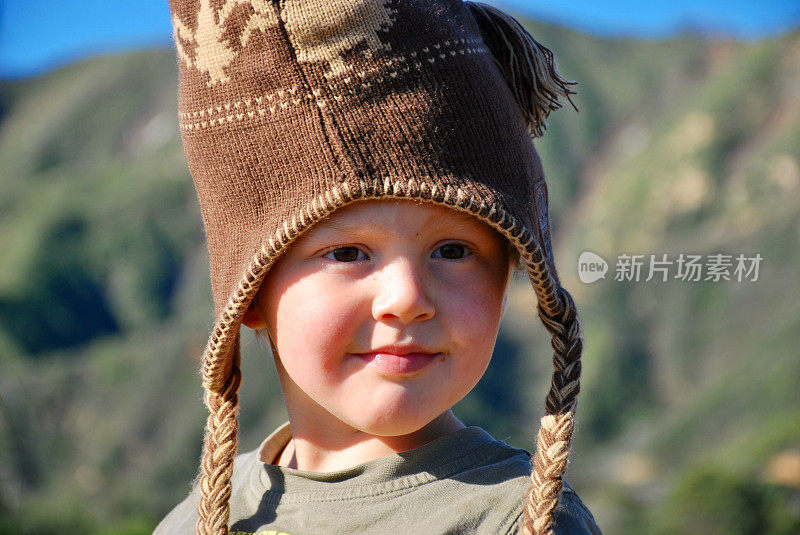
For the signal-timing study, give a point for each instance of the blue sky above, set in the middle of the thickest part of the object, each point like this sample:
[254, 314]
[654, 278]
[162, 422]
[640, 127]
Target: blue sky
[37, 35]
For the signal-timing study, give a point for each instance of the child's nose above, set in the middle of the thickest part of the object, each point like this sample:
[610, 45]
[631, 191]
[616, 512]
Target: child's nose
[401, 294]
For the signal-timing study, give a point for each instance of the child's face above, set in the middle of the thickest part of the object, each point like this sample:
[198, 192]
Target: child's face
[375, 281]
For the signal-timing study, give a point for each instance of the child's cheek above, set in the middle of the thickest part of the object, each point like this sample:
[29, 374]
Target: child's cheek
[319, 325]
[473, 312]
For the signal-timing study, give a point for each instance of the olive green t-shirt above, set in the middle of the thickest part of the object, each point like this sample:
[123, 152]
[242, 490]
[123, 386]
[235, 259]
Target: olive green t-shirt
[464, 482]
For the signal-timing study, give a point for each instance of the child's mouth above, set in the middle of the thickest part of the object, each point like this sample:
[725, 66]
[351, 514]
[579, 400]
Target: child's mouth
[398, 364]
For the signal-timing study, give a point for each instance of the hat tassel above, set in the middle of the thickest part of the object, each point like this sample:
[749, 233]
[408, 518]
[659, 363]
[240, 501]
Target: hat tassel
[526, 65]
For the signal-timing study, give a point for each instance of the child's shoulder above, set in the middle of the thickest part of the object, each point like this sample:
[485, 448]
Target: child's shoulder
[507, 478]
[182, 519]
[572, 516]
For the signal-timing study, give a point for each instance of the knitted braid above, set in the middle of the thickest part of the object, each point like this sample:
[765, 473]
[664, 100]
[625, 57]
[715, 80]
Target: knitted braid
[558, 423]
[219, 446]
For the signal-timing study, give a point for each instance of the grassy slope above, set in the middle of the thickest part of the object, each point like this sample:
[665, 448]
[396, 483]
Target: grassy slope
[691, 376]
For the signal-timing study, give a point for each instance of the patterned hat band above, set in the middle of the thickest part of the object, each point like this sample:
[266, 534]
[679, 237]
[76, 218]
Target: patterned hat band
[291, 109]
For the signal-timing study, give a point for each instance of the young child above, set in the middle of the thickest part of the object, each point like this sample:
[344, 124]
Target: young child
[368, 181]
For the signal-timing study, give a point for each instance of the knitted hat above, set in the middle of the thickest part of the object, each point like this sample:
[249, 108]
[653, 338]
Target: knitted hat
[290, 109]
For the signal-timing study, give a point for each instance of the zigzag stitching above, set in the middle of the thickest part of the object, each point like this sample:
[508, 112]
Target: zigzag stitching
[361, 74]
[253, 102]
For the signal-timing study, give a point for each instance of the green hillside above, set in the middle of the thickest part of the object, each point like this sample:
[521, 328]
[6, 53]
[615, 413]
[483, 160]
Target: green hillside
[689, 420]
[693, 386]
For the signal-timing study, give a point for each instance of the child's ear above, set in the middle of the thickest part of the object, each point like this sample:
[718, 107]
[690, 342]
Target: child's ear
[252, 317]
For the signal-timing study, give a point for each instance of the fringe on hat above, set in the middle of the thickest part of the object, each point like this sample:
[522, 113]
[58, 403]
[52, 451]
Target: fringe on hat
[526, 65]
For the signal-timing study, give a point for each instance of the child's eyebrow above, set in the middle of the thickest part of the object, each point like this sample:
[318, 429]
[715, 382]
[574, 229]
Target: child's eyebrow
[341, 227]
[440, 222]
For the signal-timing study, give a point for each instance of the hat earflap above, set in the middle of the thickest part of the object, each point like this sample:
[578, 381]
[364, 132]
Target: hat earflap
[526, 65]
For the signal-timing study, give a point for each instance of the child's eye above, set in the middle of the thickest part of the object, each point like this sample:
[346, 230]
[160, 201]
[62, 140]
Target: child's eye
[451, 251]
[346, 254]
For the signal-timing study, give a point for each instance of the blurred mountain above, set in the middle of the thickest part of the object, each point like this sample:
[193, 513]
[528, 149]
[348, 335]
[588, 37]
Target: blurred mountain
[689, 419]
[691, 387]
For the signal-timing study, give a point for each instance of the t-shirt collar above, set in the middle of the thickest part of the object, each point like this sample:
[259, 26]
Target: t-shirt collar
[439, 458]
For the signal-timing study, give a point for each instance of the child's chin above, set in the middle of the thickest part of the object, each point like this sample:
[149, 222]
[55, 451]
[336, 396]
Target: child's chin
[393, 425]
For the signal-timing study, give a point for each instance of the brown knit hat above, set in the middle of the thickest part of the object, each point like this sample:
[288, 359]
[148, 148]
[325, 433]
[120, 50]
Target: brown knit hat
[290, 109]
